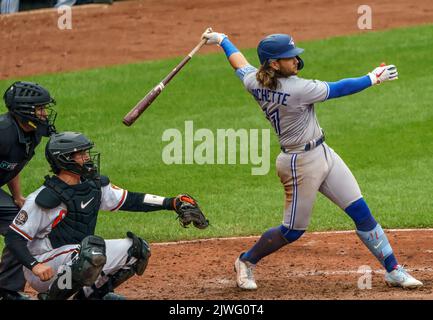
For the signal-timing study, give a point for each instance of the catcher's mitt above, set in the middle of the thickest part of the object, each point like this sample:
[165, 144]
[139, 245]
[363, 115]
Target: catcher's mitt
[188, 211]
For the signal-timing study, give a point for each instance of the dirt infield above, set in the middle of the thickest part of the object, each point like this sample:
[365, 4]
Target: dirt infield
[319, 265]
[130, 31]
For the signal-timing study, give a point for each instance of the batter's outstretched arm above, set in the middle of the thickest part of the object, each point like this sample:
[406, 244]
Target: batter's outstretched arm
[236, 58]
[349, 86]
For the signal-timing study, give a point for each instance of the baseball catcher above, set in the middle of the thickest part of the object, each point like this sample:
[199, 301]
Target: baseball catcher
[53, 235]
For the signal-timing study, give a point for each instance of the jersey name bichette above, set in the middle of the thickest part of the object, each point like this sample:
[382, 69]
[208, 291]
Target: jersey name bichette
[290, 108]
[266, 95]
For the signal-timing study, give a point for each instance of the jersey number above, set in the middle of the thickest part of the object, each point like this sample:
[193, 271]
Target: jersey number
[274, 117]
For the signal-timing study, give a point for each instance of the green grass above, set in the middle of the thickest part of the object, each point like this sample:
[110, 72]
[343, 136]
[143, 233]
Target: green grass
[384, 134]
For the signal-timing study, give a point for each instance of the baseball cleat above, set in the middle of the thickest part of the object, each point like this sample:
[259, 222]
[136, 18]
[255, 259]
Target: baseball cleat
[244, 275]
[108, 296]
[113, 296]
[12, 295]
[399, 277]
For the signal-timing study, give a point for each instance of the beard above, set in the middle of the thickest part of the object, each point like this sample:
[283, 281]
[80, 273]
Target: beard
[286, 74]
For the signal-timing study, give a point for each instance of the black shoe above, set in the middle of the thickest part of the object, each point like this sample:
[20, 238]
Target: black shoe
[43, 296]
[113, 296]
[109, 296]
[103, 1]
[12, 295]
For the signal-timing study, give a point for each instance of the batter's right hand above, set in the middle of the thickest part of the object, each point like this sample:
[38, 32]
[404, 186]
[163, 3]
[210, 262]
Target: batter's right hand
[213, 37]
[383, 73]
[43, 271]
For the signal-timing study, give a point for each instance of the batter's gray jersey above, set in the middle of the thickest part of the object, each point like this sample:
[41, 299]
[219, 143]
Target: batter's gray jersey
[289, 108]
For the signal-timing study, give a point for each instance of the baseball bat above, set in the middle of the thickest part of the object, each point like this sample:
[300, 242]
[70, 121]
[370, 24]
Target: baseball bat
[144, 103]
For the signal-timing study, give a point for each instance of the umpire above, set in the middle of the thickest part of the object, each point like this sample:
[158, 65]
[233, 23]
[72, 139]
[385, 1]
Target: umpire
[30, 116]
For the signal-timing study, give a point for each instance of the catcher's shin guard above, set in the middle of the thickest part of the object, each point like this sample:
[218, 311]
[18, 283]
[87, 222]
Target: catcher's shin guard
[141, 251]
[84, 270]
[113, 282]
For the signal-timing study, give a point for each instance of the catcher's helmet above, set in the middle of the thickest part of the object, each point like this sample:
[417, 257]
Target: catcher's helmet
[278, 46]
[59, 153]
[22, 99]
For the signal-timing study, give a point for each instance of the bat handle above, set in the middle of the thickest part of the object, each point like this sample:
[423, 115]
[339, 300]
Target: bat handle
[197, 47]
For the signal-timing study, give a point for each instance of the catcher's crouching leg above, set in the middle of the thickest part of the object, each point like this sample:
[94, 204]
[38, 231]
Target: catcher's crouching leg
[139, 250]
[84, 270]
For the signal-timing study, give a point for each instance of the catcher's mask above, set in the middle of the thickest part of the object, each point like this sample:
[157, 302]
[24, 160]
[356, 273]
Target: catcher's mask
[278, 46]
[62, 147]
[33, 105]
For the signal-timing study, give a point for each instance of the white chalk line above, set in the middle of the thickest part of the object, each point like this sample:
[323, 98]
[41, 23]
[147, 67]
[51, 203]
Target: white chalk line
[256, 237]
[349, 272]
[318, 273]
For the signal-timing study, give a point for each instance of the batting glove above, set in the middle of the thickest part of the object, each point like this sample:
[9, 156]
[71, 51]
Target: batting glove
[213, 37]
[383, 73]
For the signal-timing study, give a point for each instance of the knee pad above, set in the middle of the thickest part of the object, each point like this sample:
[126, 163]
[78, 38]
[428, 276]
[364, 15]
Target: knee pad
[85, 269]
[90, 261]
[361, 215]
[291, 235]
[140, 250]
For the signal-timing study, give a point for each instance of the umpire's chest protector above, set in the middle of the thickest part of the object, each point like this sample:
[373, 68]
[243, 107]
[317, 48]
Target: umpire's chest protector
[82, 201]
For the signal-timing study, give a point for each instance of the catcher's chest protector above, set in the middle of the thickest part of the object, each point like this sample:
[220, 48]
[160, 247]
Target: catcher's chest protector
[82, 202]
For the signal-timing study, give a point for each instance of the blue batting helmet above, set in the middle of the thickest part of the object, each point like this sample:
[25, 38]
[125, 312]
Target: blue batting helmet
[278, 46]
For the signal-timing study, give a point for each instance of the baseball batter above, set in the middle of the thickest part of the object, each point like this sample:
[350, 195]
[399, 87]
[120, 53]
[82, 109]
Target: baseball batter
[53, 234]
[306, 163]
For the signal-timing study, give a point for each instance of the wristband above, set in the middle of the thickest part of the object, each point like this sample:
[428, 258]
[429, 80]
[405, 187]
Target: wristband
[229, 48]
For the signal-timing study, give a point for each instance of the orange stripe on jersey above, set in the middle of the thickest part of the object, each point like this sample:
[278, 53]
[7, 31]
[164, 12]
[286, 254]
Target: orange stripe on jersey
[25, 235]
[59, 254]
[115, 187]
[121, 201]
[59, 218]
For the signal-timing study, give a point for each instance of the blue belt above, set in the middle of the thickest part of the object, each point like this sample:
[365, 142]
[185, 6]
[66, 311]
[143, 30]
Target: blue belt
[310, 145]
[314, 143]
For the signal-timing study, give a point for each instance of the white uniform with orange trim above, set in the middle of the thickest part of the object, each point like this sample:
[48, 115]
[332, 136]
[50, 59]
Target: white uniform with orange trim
[35, 223]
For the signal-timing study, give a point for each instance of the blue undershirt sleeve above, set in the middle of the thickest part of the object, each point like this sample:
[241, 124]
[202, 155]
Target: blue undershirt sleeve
[347, 87]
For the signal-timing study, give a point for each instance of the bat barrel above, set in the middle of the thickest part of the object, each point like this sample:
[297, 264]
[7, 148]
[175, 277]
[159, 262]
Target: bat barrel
[133, 115]
[144, 103]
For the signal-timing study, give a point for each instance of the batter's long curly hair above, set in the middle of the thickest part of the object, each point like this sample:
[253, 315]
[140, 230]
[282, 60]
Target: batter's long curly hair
[268, 76]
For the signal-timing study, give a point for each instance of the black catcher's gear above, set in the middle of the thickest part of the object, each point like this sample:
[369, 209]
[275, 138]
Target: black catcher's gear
[189, 211]
[84, 270]
[80, 220]
[141, 251]
[59, 153]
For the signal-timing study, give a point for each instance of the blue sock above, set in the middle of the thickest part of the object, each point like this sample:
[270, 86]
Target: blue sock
[270, 241]
[390, 263]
